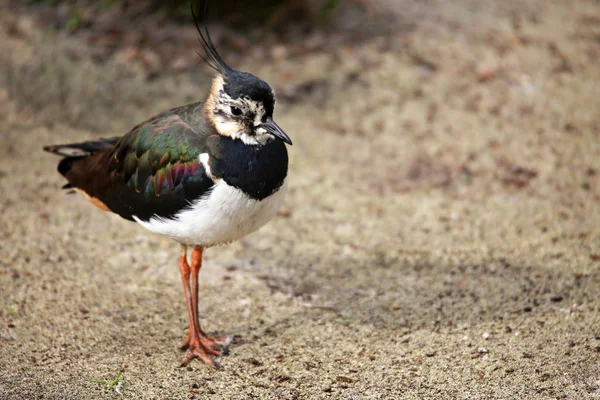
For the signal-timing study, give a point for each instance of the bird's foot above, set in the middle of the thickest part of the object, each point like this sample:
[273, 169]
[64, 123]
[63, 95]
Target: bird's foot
[218, 343]
[197, 350]
[203, 346]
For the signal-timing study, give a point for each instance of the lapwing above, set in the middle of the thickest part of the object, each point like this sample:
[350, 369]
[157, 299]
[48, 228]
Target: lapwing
[203, 174]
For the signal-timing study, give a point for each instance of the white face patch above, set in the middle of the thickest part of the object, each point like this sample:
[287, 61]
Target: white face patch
[237, 118]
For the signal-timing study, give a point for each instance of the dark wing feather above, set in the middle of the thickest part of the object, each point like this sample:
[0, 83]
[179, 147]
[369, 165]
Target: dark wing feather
[154, 170]
[82, 149]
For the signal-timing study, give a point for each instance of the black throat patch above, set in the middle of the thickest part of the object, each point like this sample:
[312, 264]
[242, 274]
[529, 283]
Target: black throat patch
[258, 171]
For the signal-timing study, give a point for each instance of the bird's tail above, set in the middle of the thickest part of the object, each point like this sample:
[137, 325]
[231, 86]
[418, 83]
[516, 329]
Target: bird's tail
[76, 151]
[82, 149]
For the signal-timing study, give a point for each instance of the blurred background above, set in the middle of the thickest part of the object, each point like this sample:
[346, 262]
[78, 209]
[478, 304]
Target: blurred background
[439, 239]
[156, 40]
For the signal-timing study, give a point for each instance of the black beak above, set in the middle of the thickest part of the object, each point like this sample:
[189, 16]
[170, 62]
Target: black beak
[274, 129]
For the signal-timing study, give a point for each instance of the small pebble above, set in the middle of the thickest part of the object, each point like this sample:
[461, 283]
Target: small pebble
[254, 362]
[483, 350]
[545, 376]
[486, 335]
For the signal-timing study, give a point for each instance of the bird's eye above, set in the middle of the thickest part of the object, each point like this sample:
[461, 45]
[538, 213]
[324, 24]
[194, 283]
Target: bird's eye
[236, 111]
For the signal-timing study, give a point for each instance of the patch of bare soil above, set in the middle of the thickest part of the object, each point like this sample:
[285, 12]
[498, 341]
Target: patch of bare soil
[439, 239]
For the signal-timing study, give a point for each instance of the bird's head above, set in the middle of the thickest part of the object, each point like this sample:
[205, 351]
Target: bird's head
[239, 104]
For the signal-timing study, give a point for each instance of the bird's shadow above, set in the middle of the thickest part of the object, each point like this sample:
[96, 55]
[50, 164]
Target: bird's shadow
[401, 293]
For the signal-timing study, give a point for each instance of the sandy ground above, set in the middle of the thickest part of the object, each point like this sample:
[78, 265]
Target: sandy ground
[440, 238]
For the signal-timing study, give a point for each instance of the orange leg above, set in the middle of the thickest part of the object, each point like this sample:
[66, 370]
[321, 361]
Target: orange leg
[199, 344]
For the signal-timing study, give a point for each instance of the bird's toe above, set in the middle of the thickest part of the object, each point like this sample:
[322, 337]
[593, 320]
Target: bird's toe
[203, 354]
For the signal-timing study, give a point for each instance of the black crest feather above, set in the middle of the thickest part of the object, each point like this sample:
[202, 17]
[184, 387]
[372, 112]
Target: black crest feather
[211, 55]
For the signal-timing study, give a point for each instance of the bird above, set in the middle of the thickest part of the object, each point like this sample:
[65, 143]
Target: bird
[203, 174]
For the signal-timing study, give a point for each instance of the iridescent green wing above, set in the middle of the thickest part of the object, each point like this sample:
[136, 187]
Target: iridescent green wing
[155, 169]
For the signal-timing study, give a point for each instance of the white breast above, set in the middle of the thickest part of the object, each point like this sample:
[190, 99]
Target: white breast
[223, 215]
